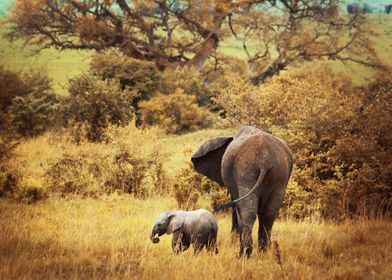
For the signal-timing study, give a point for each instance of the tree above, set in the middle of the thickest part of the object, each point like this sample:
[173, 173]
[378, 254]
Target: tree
[175, 33]
[299, 31]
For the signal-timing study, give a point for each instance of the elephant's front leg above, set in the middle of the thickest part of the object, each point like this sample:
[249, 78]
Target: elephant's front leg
[179, 243]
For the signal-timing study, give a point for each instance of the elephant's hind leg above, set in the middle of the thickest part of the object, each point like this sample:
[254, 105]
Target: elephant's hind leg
[247, 216]
[211, 244]
[235, 229]
[267, 218]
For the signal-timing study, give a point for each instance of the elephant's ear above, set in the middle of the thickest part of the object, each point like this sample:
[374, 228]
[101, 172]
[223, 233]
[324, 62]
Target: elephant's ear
[176, 222]
[207, 160]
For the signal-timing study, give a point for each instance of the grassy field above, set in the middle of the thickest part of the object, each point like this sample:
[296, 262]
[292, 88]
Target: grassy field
[108, 238]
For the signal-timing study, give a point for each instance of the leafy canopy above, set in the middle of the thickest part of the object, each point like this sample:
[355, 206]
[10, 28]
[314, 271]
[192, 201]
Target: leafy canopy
[174, 33]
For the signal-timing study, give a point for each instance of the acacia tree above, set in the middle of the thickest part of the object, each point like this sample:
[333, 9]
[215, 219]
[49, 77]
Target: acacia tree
[175, 33]
[299, 31]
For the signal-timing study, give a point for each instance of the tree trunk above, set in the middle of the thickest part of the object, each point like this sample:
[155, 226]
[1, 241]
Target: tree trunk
[276, 66]
[208, 47]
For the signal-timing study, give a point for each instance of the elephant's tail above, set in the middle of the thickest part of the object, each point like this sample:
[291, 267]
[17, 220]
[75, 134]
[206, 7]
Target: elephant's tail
[254, 188]
[224, 206]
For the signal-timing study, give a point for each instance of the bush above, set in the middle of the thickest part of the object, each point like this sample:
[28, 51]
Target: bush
[191, 81]
[11, 85]
[190, 185]
[340, 136]
[35, 113]
[135, 75]
[21, 188]
[29, 98]
[90, 172]
[97, 104]
[128, 174]
[161, 180]
[218, 197]
[129, 162]
[14, 84]
[176, 113]
[8, 139]
[77, 175]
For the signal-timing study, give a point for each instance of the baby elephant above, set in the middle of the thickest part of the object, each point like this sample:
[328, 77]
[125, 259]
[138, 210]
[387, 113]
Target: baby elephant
[197, 227]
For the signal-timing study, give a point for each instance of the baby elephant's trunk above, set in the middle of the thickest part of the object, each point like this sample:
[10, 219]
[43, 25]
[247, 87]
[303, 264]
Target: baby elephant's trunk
[152, 235]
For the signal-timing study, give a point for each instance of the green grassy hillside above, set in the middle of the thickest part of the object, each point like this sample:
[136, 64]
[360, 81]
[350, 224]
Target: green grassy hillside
[60, 65]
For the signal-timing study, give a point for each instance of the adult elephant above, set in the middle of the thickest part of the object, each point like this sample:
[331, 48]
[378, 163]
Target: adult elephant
[255, 167]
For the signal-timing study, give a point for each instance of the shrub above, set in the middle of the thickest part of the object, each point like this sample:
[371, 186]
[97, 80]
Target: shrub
[176, 113]
[339, 134]
[8, 183]
[144, 144]
[191, 81]
[8, 139]
[90, 173]
[97, 104]
[35, 113]
[11, 85]
[161, 180]
[31, 191]
[135, 75]
[190, 185]
[75, 175]
[29, 98]
[14, 84]
[187, 188]
[128, 174]
[20, 187]
[125, 164]
[218, 197]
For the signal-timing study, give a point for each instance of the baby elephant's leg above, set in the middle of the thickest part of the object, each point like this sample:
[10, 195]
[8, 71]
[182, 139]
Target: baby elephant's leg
[211, 244]
[198, 244]
[179, 243]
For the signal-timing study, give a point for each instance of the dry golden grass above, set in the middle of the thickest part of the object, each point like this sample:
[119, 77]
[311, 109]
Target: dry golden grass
[108, 238]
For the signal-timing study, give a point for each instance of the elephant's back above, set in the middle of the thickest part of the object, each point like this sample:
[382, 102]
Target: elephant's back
[244, 149]
[202, 222]
[248, 154]
[202, 214]
[278, 143]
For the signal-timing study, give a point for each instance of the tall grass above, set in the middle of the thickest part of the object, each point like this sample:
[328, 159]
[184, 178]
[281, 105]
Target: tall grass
[109, 238]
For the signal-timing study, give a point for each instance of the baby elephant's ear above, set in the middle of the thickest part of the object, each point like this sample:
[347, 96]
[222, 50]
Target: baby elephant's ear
[175, 223]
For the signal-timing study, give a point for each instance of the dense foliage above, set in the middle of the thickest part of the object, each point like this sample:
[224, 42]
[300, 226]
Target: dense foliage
[30, 99]
[177, 112]
[97, 104]
[137, 75]
[340, 136]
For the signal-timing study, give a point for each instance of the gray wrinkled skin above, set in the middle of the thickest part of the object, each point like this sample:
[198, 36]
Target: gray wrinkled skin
[255, 167]
[198, 228]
